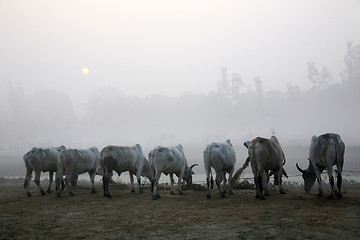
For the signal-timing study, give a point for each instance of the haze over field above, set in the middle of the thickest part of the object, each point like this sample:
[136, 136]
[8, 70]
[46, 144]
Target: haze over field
[91, 73]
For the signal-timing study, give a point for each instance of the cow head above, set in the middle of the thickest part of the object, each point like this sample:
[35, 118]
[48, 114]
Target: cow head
[188, 174]
[308, 175]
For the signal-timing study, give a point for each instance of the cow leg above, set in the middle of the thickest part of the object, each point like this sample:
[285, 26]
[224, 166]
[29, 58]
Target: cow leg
[260, 187]
[106, 180]
[138, 177]
[331, 180]
[278, 175]
[264, 181]
[208, 172]
[180, 177]
[37, 181]
[171, 184]
[51, 174]
[132, 182]
[230, 181]
[92, 180]
[58, 181]
[72, 179]
[320, 187]
[154, 184]
[224, 180]
[218, 181]
[27, 181]
[339, 180]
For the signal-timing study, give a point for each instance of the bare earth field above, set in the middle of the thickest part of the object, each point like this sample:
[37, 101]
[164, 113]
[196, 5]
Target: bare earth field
[127, 215]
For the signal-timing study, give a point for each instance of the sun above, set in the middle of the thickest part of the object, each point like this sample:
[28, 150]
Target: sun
[85, 71]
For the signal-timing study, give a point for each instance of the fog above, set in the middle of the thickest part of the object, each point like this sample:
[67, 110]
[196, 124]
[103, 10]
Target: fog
[175, 72]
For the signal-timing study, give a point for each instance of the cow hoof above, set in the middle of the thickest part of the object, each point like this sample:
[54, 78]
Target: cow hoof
[107, 195]
[181, 193]
[71, 194]
[339, 195]
[282, 192]
[257, 196]
[267, 194]
[132, 190]
[43, 193]
[172, 193]
[48, 191]
[141, 191]
[155, 197]
[93, 191]
[331, 196]
[262, 198]
[208, 196]
[319, 195]
[28, 194]
[231, 193]
[58, 195]
[222, 195]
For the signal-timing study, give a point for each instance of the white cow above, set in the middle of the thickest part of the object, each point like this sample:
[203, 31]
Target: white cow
[266, 155]
[43, 159]
[221, 157]
[78, 161]
[121, 159]
[169, 160]
[326, 151]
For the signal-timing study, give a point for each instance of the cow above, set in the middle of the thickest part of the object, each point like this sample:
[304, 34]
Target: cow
[266, 155]
[268, 173]
[221, 157]
[325, 151]
[169, 160]
[78, 161]
[43, 159]
[121, 159]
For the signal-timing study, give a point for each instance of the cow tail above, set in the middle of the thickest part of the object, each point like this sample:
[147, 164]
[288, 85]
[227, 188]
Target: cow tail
[211, 176]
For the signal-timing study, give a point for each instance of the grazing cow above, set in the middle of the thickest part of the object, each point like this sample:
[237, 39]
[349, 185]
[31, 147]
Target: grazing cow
[268, 173]
[326, 151]
[266, 155]
[169, 160]
[121, 159]
[221, 157]
[78, 161]
[43, 159]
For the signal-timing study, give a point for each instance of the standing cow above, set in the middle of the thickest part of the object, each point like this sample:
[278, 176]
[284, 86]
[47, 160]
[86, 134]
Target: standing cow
[43, 159]
[266, 155]
[78, 161]
[326, 151]
[121, 159]
[221, 157]
[169, 160]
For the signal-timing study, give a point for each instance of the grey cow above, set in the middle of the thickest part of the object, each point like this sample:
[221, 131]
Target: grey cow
[78, 161]
[266, 155]
[325, 151]
[169, 160]
[43, 159]
[221, 157]
[121, 159]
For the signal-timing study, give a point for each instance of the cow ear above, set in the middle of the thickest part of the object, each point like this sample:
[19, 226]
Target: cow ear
[228, 142]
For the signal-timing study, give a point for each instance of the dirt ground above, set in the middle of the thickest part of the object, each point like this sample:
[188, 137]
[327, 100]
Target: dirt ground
[126, 215]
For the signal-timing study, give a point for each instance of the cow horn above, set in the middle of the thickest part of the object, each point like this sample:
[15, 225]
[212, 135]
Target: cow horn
[194, 165]
[302, 171]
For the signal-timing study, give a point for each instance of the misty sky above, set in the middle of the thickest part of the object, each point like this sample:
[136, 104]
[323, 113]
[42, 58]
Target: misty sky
[170, 47]
[176, 49]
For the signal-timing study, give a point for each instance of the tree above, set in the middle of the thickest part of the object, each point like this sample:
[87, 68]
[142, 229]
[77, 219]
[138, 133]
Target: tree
[320, 80]
[224, 87]
[258, 85]
[351, 72]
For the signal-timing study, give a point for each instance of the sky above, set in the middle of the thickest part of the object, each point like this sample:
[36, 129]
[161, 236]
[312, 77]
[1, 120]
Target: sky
[170, 47]
[143, 56]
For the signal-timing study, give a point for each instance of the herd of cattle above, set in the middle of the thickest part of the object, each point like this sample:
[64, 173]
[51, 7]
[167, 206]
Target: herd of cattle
[265, 156]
